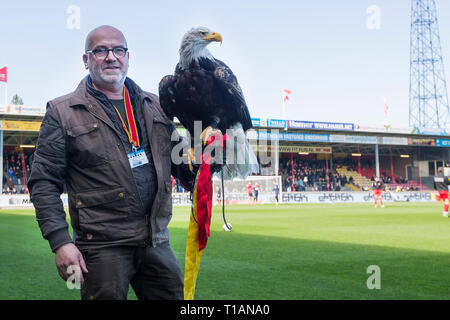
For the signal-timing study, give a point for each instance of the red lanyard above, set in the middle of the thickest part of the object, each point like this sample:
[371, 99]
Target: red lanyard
[132, 134]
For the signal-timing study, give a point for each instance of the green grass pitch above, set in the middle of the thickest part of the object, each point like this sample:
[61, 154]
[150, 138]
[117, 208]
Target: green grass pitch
[306, 251]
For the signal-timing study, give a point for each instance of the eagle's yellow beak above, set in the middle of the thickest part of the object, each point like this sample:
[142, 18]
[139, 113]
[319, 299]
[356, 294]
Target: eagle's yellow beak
[213, 36]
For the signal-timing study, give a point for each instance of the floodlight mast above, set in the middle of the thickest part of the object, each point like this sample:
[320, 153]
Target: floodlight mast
[428, 100]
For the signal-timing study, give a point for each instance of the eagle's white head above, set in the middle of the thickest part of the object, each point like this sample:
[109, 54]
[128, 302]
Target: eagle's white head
[193, 45]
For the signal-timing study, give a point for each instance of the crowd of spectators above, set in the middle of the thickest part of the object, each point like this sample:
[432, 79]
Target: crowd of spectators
[400, 188]
[310, 175]
[15, 173]
[176, 186]
[388, 179]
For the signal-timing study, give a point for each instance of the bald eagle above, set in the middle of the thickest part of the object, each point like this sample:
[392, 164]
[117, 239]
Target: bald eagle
[205, 89]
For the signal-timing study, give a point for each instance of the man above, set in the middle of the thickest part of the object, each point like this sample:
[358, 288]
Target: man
[441, 183]
[276, 189]
[256, 192]
[377, 189]
[110, 143]
[10, 184]
[250, 192]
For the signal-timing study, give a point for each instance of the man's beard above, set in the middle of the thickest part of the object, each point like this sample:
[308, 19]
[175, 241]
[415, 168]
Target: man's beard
[108, 78]
[117, 78]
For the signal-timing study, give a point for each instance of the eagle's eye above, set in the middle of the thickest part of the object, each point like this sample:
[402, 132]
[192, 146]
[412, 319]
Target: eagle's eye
[203, 33]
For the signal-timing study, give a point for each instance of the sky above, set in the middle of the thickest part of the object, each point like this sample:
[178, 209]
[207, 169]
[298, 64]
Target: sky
[340, 59]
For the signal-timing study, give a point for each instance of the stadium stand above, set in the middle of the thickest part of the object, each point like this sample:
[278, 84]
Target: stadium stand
[424, 151]
[14, 172]
[310, 175]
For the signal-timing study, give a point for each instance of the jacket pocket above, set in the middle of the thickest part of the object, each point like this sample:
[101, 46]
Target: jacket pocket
[165, 198]
[87, 146]
[161, 149]
[163, 134]
[103, 214]
[164, 214]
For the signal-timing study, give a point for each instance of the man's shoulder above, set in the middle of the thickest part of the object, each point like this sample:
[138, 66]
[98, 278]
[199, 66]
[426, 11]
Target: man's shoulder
[159, 114]
[129, 83]
[152, 96]
[78, 96]
[62, 100]
[155, 106]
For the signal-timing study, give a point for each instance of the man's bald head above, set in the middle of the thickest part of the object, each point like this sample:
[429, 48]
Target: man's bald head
[107, 72]
[104, 31]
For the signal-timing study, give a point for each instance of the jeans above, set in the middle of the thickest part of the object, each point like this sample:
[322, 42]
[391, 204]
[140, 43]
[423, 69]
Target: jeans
[153, 272]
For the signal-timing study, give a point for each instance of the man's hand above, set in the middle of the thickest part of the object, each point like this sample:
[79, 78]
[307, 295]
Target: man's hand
[67, 256]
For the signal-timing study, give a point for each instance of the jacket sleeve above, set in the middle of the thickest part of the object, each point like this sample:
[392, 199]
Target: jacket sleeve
[182, 171]
[46, 181]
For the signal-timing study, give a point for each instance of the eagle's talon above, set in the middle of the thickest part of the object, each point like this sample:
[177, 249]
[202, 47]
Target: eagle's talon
[191, 158]
[208, 133]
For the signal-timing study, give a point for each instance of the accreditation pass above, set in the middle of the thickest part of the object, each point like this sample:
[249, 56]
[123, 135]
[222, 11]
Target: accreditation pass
[137, 158]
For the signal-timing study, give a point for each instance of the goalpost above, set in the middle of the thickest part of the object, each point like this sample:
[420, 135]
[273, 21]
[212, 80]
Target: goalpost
[236, 189]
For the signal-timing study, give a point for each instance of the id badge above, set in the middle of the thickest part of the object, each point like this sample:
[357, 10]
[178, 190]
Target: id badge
[137, 158]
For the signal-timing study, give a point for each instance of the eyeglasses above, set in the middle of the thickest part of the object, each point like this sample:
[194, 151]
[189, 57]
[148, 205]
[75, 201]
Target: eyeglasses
[102, 53]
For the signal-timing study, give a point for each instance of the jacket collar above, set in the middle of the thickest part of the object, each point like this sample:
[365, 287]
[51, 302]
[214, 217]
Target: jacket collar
[84, 92]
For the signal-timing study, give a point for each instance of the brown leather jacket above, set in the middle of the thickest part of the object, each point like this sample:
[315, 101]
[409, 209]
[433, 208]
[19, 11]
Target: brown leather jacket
[79, 146]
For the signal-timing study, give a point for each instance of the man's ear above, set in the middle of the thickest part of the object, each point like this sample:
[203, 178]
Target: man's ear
[85, 61]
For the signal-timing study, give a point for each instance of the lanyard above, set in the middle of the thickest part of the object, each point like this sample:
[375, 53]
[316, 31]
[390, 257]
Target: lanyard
[132, 134]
